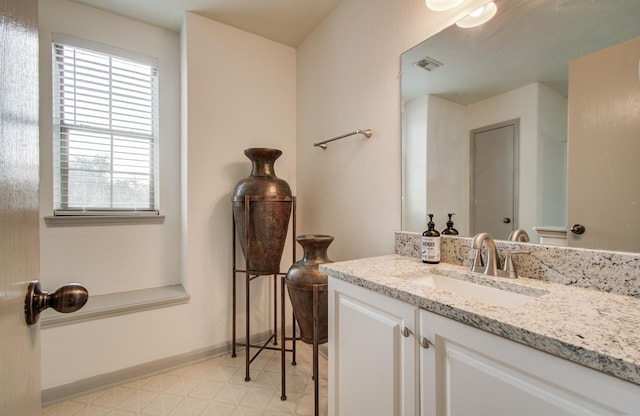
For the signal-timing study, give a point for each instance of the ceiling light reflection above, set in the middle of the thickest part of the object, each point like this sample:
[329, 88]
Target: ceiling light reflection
[443, 5]
[479, 16]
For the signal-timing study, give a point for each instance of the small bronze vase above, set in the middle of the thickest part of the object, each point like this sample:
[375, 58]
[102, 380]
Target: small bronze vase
[304, 274]
[269, 215]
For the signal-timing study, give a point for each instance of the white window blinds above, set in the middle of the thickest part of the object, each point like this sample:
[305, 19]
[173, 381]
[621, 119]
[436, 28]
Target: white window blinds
[105, 128]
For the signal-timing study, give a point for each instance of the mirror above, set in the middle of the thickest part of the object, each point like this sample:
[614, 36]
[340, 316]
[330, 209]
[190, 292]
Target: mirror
[510, 78]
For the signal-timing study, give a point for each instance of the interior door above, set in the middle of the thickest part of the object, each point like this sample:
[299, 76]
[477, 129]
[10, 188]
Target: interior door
[19, 235]
[604, 144]
[494, 179]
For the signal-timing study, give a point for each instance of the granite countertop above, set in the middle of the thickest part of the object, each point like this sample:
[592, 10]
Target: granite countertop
[597, 329]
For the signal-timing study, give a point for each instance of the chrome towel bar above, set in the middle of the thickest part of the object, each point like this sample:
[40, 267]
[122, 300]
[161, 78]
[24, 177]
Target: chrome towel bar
[367, 133]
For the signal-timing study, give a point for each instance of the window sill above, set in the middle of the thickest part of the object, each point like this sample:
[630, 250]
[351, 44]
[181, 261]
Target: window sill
[115, 304]
[91, 220]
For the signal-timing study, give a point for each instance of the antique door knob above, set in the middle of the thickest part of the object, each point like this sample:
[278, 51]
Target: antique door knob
[578, 229]
[68, 298]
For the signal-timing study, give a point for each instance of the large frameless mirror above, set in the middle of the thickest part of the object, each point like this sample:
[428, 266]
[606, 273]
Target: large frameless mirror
[529, 121]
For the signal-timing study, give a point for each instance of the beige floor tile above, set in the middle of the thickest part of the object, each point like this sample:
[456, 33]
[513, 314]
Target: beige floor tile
[212, 387]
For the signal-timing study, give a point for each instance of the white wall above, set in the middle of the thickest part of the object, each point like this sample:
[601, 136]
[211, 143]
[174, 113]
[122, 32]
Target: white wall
[230, 103]
[239, 93]
[115, 258]
[414, 158]
[552, 158]
[448, 164]
[348, 78]
[436, 143]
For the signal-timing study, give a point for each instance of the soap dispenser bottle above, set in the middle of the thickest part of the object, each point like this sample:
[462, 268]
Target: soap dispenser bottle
[450, 230]
[430, 243]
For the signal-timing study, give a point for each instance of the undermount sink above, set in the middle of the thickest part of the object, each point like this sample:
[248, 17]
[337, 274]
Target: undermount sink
[480, 292]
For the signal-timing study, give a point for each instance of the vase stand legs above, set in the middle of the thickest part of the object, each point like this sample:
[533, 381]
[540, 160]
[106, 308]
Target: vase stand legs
[316, 290]
[271, 342]
[251, 275]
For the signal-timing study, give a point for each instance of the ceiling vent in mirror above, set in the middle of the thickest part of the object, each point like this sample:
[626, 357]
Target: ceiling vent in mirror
[428, 64]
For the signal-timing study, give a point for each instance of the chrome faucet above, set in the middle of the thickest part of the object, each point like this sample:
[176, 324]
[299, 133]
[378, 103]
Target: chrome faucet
[491, 267]
[519, 235]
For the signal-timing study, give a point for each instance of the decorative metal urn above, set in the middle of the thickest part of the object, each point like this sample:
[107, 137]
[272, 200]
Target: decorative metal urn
[261, 227]
[301, 278]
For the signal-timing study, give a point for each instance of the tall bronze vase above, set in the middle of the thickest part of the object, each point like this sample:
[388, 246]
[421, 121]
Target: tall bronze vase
[269, 213]
[304, 274]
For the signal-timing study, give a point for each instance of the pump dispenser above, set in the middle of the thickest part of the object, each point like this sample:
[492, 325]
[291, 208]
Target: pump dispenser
[450, 230]
[430, 243]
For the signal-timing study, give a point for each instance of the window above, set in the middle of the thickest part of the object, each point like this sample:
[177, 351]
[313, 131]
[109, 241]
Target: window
[105, 131]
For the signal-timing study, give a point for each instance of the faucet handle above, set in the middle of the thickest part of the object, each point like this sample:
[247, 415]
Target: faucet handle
[478, 264]
[509, 268]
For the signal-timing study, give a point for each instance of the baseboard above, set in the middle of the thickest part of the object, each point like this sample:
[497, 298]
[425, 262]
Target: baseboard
[103, 381]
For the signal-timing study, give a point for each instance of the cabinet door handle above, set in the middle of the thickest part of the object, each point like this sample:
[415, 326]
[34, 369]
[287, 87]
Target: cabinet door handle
[424, 343]
[406, 332]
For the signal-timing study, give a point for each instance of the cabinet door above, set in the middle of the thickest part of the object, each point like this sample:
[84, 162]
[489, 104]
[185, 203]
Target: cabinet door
[372, 365]
[472, 372]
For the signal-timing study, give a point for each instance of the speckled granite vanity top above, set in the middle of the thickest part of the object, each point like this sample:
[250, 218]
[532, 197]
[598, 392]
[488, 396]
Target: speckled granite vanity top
[590, 327]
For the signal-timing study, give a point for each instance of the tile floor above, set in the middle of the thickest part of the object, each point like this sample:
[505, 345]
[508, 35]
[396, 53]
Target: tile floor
[213, 387]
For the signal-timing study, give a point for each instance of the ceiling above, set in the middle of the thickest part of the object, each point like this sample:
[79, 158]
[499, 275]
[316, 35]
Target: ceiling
[526, 42]
[284, 21]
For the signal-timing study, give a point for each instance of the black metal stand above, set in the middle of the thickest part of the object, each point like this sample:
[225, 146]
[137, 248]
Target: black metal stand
[316, 288]
[251, 275]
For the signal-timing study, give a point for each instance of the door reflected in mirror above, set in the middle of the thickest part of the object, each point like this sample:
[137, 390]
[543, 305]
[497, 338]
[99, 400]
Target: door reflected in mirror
[516, 67]
[494, 178]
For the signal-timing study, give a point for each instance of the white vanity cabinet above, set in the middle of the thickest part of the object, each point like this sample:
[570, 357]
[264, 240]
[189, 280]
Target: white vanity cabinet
[467, 371]
[378, 365]
[373, 366]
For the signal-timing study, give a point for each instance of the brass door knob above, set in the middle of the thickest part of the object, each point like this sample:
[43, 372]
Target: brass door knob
[68, 298]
